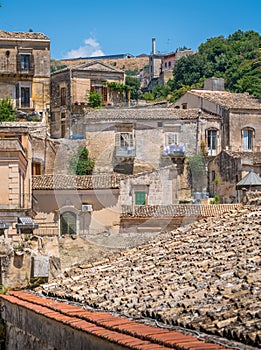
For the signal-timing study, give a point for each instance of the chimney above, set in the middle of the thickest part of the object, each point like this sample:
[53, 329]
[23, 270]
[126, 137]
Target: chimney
[153, 46]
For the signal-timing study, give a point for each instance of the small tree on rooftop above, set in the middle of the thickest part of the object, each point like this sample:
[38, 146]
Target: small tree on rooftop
[81, 164]
[7, 110]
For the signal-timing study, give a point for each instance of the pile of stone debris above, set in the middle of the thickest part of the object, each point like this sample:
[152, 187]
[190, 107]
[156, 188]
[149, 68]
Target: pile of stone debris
[205, 277]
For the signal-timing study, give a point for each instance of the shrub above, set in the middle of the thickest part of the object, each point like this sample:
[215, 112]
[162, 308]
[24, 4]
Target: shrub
[95, 100]
[7, 110]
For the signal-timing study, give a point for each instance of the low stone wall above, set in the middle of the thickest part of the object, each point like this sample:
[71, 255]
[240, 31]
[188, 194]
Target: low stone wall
[27, 329]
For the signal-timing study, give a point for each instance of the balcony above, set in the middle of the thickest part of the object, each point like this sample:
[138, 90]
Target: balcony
[125, 151]
[174, 151]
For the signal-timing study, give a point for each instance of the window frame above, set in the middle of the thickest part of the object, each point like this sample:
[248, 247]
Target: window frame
[212, 141]
[25, 93]
[140, 197]
[247, 140]
[171, 134]
[63, 96]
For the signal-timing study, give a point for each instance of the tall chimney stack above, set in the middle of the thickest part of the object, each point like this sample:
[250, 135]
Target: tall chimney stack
[153, 46]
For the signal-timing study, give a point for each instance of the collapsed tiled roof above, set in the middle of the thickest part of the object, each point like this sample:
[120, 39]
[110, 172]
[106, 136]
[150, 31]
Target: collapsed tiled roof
[229, 99]
[65, 182]
[22, 35]
[157, 114]
[205, 277]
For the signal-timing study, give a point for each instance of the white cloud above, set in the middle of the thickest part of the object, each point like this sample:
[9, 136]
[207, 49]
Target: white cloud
[90, 49]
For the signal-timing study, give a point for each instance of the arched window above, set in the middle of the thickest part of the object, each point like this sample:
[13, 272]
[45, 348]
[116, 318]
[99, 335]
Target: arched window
[247, 139]
[68, 223]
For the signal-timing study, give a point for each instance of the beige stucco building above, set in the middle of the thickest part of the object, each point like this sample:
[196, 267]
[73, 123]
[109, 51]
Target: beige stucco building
[70, 90]
[16, 178]
[25, 70]
[67, 204]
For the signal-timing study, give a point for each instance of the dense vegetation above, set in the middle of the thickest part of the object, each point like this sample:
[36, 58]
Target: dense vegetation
[237, 59]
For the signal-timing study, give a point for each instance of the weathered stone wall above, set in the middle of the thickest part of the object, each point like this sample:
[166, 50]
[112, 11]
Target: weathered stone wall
[241, 120]
[224, 173]
[161, 187]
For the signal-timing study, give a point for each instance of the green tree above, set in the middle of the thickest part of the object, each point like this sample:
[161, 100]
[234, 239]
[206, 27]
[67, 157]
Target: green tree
[95, 99]
[133, 84]
[82, 164]
[160, 91]
[7, 110]
[237, 59]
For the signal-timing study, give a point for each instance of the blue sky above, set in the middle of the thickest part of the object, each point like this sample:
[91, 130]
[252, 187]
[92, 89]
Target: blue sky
[97, 27]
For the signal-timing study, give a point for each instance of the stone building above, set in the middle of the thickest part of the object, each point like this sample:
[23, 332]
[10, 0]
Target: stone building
[70, 89]
[25, 70]
[239, 139]
[16, 178]
[70, 205]
[135, 140]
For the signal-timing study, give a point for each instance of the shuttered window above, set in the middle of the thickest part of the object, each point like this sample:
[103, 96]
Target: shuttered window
[140, 198]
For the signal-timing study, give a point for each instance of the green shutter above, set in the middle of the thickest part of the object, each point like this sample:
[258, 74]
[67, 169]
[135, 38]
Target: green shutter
[140, 198]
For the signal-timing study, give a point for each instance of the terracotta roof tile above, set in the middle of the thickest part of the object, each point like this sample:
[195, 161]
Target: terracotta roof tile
[132, 337]
[66, 182]
[204, 276]
[22, 35]
[229, 99]
[143, 114]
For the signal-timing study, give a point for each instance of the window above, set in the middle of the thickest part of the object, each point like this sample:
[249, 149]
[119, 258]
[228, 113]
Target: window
[101, 88]
[212, 142]
[140, 198]
[25, 62]
[63, 96]
[171, 138]
[124, 143]
[124, 139]
[247, 135]
[63, 128]
[25, 97]
[36, 168]
[68, 223]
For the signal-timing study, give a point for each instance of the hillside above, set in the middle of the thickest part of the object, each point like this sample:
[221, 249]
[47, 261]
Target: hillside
[132, 63]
